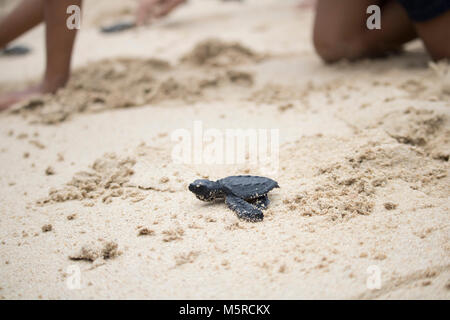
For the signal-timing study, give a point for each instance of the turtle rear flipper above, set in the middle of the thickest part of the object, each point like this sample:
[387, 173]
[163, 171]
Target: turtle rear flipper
[244, 209]
[261, 203]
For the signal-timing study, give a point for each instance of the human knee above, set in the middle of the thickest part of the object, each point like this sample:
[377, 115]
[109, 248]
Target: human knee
[440, 53]
[332, 47]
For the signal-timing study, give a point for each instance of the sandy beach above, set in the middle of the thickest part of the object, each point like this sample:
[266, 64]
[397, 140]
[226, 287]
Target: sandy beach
[93, 205]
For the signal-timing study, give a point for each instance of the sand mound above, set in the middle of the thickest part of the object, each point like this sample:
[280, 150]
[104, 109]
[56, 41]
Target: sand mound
[218, 53]
[422, 128]
[123, 177]
[433, 86]
[91, 253]
[122, 83]
[348, 187]
[107, 179]
[274, 93]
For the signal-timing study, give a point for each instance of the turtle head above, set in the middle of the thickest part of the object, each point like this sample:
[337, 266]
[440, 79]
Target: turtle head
[205, 190]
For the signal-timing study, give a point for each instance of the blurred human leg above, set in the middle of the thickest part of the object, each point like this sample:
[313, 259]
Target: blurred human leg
[340, 30]
[28, 14]
[59, 45]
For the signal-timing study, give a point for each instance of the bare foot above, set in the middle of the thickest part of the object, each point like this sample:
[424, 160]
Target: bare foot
[9, 99]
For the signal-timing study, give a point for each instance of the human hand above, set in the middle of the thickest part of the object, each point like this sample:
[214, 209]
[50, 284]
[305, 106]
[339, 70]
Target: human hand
[154, 9]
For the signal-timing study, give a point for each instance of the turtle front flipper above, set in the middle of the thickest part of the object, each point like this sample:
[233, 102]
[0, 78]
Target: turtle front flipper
[261, 203]
[243, 209]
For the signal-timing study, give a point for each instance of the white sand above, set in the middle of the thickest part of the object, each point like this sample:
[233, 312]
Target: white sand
[364, 169]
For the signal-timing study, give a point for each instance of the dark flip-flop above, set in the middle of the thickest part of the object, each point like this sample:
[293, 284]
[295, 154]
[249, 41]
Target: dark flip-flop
[15, 51]
[118, 27]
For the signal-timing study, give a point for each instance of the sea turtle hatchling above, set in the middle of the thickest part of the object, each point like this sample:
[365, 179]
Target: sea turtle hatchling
[246, 195]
